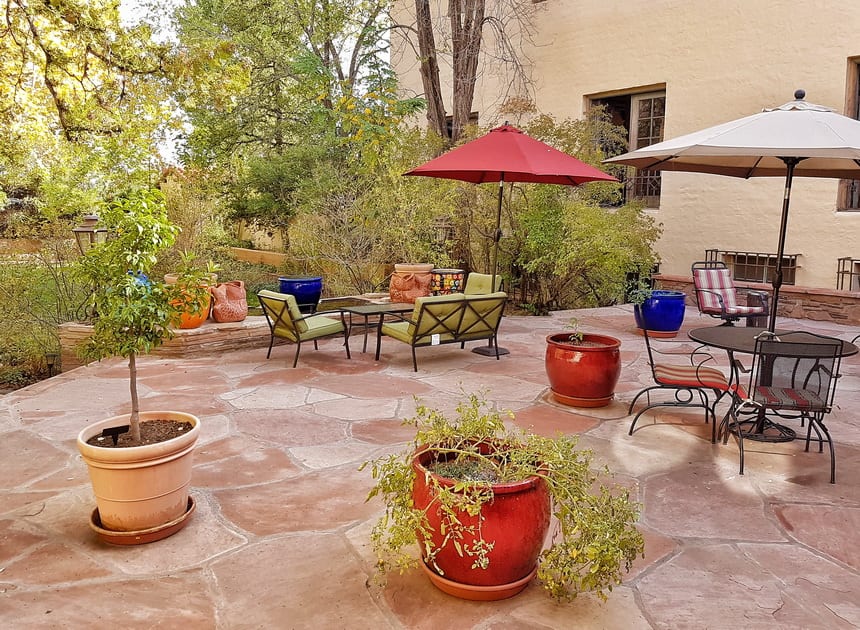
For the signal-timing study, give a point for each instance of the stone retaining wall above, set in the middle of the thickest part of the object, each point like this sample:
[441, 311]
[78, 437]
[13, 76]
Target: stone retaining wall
[841, 307]
[210, 338]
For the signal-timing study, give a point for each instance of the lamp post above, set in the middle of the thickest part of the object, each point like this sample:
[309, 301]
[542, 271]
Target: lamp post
[51, 362]
[87, 234]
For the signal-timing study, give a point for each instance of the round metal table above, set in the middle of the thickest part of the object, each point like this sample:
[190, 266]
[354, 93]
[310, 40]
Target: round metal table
[742, 339]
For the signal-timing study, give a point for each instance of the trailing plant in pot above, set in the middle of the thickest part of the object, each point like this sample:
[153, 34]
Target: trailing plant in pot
[582, 368]
[477, 499]
[139, 463]
[194, 300]
[659, 311]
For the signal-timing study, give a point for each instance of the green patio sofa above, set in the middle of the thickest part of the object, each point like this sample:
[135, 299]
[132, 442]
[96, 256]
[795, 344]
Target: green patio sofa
[441, 319]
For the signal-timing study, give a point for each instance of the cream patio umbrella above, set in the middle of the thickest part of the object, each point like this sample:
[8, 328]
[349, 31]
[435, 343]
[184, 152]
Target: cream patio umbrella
[798, 139]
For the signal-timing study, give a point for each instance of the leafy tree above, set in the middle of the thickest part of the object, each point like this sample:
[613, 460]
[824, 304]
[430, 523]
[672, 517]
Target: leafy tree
[275, 88]
[82, 100]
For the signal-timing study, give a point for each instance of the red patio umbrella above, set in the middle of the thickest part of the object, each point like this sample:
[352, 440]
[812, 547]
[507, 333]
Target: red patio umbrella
[506, 154]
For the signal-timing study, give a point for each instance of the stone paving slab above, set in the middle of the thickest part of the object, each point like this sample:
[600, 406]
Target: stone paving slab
[280, 536]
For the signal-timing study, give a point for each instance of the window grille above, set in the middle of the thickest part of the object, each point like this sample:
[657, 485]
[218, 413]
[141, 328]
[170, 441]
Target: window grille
[755, 266]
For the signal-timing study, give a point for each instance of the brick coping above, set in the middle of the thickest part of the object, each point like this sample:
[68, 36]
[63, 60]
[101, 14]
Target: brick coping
[209, 338]
[811, 303]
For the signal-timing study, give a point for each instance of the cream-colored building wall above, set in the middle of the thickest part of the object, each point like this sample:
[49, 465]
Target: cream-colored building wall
[718, 60]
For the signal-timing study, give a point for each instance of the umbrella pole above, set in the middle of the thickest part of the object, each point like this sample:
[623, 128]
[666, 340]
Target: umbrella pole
[783, 225]
[497, 234]
[490, 349]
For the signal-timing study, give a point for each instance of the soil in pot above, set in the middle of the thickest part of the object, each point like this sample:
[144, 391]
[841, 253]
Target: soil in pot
[151, 432]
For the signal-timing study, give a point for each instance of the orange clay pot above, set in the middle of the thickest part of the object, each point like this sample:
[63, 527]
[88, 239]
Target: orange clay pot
[140, 487]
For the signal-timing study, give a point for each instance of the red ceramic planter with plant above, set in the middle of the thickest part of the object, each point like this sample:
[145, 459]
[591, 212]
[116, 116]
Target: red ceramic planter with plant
[583, 372]
[516, 522]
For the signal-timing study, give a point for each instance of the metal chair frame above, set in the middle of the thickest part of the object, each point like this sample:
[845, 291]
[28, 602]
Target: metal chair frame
[276, 317]
[686, 383]
[793, 376]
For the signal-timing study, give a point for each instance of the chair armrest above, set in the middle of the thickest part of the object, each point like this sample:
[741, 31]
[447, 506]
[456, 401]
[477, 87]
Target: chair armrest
[719, 297]
[397, 316]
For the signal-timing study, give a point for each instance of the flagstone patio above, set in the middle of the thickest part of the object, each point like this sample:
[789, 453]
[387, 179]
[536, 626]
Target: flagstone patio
[280, 534]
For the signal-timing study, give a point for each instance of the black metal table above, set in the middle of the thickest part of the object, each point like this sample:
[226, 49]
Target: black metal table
[742, 339]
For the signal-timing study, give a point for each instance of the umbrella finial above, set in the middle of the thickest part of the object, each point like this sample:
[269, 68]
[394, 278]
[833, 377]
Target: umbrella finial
[799, 95]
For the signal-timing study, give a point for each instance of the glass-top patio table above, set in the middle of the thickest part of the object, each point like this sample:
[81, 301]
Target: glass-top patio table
[366, 308]
[742, 339]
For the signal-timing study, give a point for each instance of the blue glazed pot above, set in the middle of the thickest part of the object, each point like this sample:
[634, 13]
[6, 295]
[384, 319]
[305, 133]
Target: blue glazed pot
[662, 312]
[306, 289]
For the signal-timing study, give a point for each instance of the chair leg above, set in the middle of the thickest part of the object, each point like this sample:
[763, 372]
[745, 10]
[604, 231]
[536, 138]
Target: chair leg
[298, 349]
[414, 360]
[635, 398]
[271, 342]
[346, 343]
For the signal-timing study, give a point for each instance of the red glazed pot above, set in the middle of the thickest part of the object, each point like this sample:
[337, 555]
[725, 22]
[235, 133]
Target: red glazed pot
[583, 374]
[517, 521]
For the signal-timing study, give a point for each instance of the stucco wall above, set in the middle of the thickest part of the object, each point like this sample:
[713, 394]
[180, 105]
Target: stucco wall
[718, 61]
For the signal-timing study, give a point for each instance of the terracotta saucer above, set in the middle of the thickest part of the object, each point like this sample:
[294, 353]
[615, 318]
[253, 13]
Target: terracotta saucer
[573, 401]
[478, 593]
[142, 536]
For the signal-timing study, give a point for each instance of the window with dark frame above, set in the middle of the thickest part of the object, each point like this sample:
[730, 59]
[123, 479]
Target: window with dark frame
[849, 189]
[643, 116]
[755, 266]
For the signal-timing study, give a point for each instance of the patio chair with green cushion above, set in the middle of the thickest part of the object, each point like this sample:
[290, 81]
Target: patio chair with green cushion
[481, 284]
[288, 322]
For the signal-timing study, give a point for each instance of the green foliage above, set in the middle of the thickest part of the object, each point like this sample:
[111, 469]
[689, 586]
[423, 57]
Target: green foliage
[83, 104]
[596, 538]
[133, 315]
[39, 291]
[570, 247]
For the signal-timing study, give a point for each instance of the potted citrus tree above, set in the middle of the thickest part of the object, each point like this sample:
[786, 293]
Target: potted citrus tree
[140, 462]
[477, 499]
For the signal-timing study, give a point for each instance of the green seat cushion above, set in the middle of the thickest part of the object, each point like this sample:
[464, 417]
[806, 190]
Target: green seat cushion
[319, 326]
[398, 330]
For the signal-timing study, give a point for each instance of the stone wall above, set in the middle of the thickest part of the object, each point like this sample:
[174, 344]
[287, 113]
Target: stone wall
[841, 307]
[209, 339]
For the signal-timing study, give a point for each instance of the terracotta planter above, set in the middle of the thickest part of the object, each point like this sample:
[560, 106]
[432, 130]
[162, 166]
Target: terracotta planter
[194, 318]
[410, 281]
[140, 487]
[583, 374]
[516, 521]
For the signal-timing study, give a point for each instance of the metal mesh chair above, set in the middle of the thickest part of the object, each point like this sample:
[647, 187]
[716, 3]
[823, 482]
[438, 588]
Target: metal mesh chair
[717, 296]
[793, 376]
[691, 383]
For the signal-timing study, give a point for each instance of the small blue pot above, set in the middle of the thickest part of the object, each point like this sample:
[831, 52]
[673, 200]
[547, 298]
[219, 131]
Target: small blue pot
[662, 312]
[306, 289]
